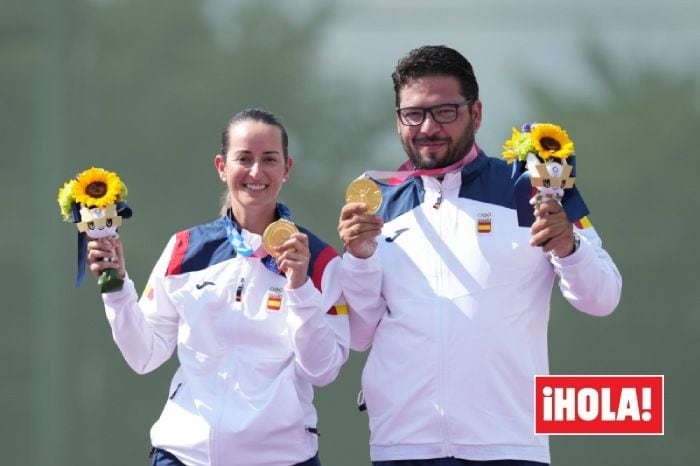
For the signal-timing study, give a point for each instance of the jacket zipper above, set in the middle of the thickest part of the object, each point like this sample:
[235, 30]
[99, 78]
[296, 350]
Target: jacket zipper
[438, 201]
[442, 324]
[172, 396]
[213, 443]
[239, 290]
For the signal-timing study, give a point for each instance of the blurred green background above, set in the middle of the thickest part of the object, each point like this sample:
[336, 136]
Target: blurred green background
[143, 89]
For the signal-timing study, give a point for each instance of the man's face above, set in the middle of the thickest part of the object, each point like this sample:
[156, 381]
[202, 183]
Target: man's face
[432, 144]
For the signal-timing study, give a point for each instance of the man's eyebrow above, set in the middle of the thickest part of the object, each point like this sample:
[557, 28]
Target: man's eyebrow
[248, 151]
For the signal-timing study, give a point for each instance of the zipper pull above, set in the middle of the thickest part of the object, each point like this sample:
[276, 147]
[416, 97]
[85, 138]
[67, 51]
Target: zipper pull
[239, 290]
[438, 201]
[176, 390]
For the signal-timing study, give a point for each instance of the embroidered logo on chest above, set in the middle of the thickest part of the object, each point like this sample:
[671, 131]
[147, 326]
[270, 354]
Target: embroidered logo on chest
[274, 299]
[483, 223]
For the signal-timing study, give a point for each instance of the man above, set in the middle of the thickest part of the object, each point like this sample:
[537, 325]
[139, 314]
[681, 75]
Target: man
[450, 292]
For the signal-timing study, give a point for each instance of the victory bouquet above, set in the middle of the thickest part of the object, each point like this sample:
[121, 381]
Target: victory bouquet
[543, 167]
[95, 201]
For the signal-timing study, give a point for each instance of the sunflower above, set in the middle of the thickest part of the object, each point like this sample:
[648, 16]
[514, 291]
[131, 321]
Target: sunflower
[551, 141]
[96, 187]
[65, 200]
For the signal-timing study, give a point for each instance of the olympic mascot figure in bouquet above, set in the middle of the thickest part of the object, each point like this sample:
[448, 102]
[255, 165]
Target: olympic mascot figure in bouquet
[95, 201]
[544, 167]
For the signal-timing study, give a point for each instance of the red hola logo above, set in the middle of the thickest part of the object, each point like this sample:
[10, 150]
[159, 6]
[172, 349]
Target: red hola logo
[600, 404]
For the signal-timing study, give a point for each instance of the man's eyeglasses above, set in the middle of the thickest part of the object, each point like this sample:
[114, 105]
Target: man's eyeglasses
[443, 113]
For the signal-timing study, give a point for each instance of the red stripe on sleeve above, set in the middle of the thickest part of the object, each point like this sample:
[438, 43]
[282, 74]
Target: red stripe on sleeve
[182, 241]
[324, 257]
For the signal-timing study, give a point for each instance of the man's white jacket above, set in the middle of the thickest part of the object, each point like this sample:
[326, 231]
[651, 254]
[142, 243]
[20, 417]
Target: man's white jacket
[455, 305]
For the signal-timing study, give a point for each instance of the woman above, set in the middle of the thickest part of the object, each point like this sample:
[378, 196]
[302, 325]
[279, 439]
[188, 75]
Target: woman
[253, 333]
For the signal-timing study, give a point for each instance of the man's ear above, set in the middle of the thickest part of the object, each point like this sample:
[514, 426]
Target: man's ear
[477, 114]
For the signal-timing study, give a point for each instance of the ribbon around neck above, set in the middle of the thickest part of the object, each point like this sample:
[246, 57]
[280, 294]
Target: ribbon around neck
[408, 170]
[241, 247]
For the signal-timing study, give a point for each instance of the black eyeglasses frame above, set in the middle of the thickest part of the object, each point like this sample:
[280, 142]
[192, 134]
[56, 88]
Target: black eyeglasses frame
[427, 110]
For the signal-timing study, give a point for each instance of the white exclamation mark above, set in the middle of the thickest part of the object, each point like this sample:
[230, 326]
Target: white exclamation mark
[646, 404]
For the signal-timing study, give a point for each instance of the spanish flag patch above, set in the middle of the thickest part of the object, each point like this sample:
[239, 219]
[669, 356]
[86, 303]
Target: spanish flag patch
[338, 310]
[582, 223]
[148, 292]
[274, 299]
[483, 223]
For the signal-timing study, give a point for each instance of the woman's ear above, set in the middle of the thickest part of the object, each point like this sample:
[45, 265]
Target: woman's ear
[220, 164]
[288, 169]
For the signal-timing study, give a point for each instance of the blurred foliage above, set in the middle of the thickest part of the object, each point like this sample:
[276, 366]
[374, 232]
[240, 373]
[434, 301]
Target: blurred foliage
[144, 88]
[635, 145]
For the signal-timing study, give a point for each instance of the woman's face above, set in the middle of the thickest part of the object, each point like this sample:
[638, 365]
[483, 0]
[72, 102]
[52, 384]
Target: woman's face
[254, 168]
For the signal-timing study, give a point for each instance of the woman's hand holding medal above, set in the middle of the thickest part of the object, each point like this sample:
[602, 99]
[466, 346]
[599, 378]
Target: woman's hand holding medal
[290, 248]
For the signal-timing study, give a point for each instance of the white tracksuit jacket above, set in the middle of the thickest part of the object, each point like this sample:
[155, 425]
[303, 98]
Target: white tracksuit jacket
[455, 304]
[249, 349]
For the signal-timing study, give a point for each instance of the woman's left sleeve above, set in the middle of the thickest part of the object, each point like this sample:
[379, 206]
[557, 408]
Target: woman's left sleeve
[317, 321]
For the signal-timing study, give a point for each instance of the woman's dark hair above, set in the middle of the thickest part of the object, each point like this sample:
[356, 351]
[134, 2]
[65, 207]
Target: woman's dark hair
[254, 114]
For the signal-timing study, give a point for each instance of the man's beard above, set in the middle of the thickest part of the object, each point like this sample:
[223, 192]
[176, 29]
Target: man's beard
[454, 152]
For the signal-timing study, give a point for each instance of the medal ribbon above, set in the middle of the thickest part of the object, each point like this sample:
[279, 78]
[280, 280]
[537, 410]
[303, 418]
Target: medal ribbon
[237, 242]
[244, 249]
[407, 169]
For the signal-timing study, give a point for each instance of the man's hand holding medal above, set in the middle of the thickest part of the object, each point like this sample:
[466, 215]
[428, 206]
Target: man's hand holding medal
[359, 226]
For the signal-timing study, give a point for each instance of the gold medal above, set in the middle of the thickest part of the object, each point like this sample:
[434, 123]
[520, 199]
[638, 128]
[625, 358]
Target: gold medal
[367, 191]
[277, 233]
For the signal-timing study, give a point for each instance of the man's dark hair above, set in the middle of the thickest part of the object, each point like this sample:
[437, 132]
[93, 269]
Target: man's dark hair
[254, 114]
[435, 60]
